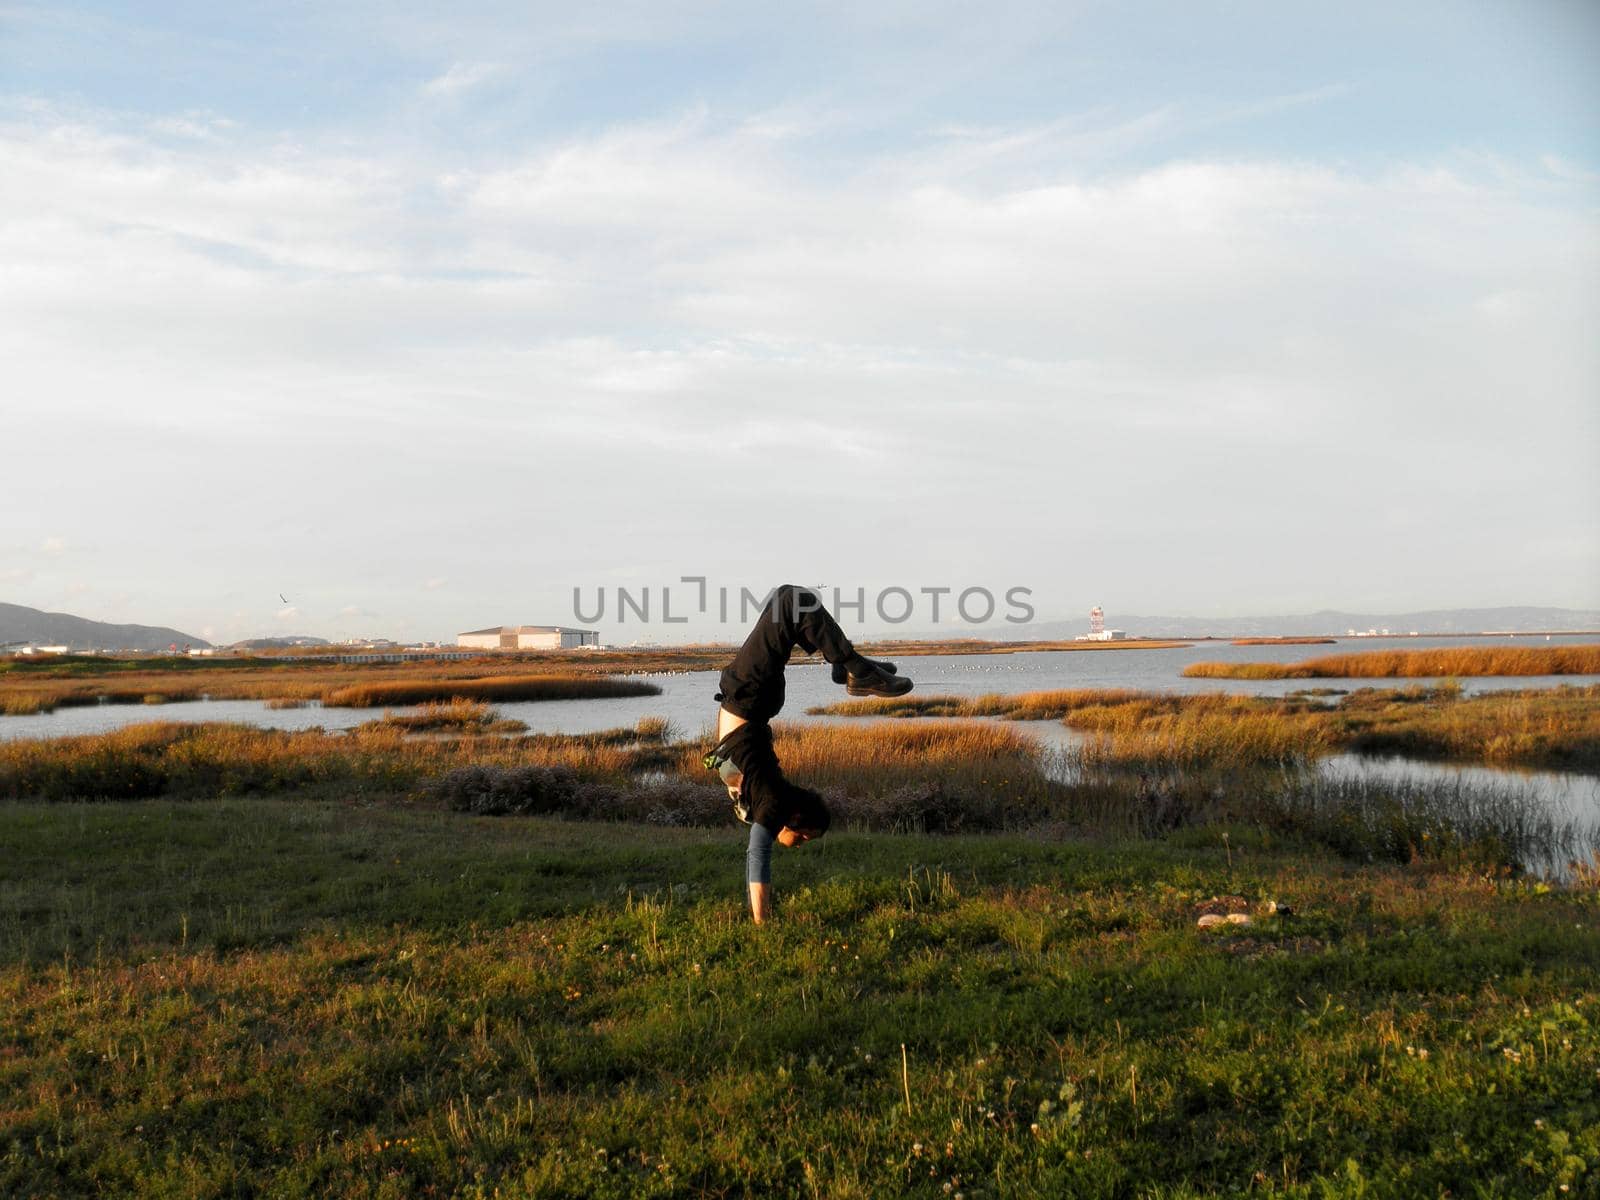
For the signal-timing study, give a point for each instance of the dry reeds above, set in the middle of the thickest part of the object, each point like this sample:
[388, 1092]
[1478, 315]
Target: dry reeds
[26, 704]
[21, 704]
[454, 716]
[1153, 764]
[1024, 706]
[1550, 727]
[1557, 727]
[167, 695]
[495, 687]
[812, 749]
[1447, 662]
[1165, 732]
[208, 760]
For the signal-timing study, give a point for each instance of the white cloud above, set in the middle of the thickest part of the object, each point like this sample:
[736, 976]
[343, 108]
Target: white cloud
[289, 613]
[460, 77]
[660, 315]
[199, 126]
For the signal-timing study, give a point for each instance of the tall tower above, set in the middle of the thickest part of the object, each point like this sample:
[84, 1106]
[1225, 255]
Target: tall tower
[1097, 621]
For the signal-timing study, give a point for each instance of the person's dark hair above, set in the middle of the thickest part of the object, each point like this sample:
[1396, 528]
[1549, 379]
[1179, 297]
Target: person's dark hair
[810, 812]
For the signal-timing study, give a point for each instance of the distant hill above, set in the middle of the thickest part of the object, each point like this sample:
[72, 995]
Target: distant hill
[18, 623]
[280, 643]
[1329, 622]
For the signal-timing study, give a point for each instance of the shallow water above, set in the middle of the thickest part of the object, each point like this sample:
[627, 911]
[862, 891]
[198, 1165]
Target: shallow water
[1568, 797]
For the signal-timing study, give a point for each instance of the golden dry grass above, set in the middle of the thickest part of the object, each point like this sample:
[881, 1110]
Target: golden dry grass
[1446, 662]
[496, 687]
[835, 747]
[206, 760]
[1557, 727]
[1024, 706]
[347, 687]
[452, 716]
[1166, 731]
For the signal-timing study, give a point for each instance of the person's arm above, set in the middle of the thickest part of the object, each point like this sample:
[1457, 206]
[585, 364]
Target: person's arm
[758, 872]
[760, 902]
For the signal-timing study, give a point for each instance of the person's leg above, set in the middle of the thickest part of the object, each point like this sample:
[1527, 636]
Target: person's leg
[752, 685]
[727, 722]
[815, 630]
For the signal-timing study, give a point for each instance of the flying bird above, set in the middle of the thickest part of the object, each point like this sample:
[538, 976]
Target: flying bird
[282, 597]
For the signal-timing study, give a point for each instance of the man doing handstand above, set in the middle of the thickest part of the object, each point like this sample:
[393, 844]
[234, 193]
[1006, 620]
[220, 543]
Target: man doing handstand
[751, 695]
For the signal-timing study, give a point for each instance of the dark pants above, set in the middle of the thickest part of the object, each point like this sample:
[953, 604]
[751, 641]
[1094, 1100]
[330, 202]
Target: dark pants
[752, 684]
[752, 688]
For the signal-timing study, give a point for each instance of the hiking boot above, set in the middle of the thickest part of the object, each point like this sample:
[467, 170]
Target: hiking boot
[841, 671]
[874, 681]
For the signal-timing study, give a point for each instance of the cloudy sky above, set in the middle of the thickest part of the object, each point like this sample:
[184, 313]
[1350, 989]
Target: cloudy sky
[424, 315]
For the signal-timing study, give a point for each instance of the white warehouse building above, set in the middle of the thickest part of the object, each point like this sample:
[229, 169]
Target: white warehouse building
[527, 637]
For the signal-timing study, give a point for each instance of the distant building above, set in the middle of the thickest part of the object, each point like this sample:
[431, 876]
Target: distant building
[528, 637]
[1098, 631]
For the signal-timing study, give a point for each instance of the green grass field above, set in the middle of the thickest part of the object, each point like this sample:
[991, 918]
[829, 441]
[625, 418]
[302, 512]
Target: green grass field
[299, 997]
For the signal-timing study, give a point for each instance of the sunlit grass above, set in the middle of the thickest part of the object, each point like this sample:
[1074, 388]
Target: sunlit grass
[453, 716]
[498, 687]
[326, 1000]
[44, 686]
[1448, 662]
[1557, 727]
